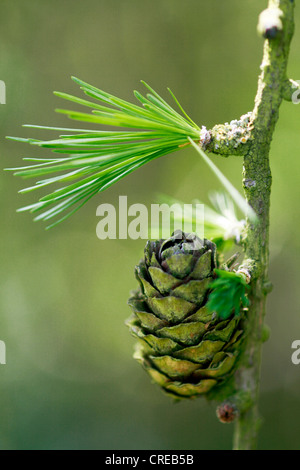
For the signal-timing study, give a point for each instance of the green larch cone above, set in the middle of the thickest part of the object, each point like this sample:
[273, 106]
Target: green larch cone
[184, 347]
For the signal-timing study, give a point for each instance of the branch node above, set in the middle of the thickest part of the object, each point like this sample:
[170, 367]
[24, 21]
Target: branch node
[247, 270]
[227, 412]
[229, 138]
[269, 23]
[291, 91]
[234, 406]
[267, 287]
[265, 333]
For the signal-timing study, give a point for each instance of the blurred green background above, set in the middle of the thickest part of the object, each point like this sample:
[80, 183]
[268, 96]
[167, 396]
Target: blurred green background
[70, 381]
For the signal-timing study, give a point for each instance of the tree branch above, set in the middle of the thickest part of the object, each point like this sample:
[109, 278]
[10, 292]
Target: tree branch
[277, 27]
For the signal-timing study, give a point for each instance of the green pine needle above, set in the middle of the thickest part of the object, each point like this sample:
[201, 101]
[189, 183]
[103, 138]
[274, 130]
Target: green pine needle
[93, 160]
[221, 224]
[236, 196]
[228, 294]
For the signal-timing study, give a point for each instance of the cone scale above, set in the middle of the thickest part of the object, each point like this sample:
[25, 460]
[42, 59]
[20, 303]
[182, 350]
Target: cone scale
[185, 348]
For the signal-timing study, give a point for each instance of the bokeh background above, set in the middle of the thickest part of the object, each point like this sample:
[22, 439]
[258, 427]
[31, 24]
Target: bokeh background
[70, 381]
